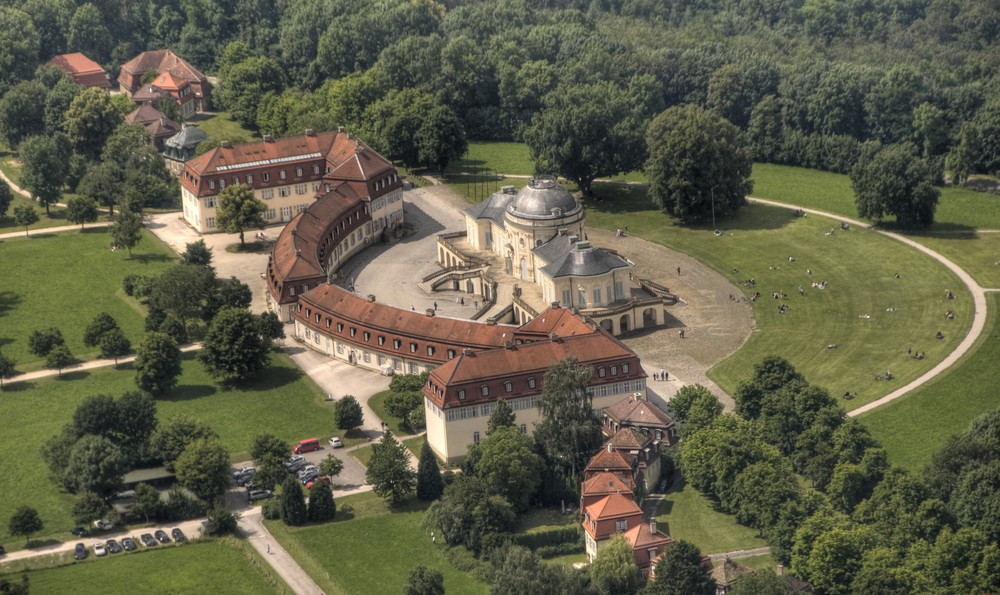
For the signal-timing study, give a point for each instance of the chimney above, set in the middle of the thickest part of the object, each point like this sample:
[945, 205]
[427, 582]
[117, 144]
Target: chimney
[371, 297]
[310, 132]
[609, 447]
[430, 311]
[779, 570]
[225, 144]
[554, 336]
[555, 305]
[340, 129]
[573, 239]
[268, 138]
[491, 322]
[652, 526]
[508, 344]
[467, 351]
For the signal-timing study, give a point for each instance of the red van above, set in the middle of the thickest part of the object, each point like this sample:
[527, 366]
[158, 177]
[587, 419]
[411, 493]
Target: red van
[306, 446]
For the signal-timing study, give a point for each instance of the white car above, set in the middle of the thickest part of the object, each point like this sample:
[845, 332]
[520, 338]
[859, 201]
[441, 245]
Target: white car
[100, 549]
[104, 525]
[336, 443]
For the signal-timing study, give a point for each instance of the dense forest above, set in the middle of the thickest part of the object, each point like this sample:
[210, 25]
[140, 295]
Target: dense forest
[807, 81]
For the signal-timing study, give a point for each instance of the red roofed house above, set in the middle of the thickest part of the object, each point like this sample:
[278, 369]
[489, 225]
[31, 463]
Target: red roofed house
[176, 78]
[604, 484]
[84, 71]
[289, 175]
[157, 125]
[618, 513]
[643, 451]
[642, 415]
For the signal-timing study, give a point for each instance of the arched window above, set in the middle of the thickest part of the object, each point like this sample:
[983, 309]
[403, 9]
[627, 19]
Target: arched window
[531, 383]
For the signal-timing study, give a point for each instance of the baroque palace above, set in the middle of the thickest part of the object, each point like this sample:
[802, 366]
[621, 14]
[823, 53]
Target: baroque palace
[339, 196]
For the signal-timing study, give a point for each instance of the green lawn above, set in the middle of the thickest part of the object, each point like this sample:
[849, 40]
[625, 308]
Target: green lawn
[64, 280]
[758, 562]
[761, 237]
[685, 514]
[9, 164]
[977, 253]
[543, 519]
[221, 126]
[55, 218]
[913, 428]
[377, 403]
[284, 402]
[958, 208]
[503, 158]
[414, 445]
[200, 567]
[370, 550]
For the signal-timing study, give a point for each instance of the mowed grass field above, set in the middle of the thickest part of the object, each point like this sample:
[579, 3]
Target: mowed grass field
[859, 267]
[977, 253]
[371, 549]
[221, 126]
[200, 567]
[913, 428]
[685, 514]
[63, 280]
[283, 402]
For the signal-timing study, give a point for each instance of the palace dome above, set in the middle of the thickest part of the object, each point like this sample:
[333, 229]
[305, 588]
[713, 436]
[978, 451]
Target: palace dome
[541, 198]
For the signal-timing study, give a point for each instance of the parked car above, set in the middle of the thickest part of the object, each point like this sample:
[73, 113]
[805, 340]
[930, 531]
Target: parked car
[161, 536]
[295, 463]
[178, 535]
[100, 549]
[113, 547]
[309, 477]
[79, 532]
[336, 443]
[324, 478]
[147, 540]
[80, 552]
[128, 544]
[244, 471]
[258, 495]
[307, 470]
[244, 479]
[104, 525]
[307, 445]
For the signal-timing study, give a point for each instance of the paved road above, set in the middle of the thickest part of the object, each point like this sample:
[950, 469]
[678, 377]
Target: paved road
[978, 315]
[287, 568]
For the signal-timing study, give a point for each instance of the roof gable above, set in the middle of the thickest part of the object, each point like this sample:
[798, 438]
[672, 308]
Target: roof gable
[614, 506]
[638, 412]
[605, 483]
[610, 459]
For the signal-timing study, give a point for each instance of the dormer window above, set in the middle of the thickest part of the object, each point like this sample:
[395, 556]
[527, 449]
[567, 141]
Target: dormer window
[461, 394]
[531, 383]
[508, 386]
[340, 327]
[281, 174]
[601, 372]
[485, 390]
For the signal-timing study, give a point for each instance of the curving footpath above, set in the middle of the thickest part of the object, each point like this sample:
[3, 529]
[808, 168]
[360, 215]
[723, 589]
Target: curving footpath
[978, 310]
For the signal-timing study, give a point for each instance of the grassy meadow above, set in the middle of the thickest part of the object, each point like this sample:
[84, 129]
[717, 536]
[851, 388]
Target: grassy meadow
[283, 402]
[225, 566]
[371, 549]
[221, 126]
[63, 280]
[686, 514]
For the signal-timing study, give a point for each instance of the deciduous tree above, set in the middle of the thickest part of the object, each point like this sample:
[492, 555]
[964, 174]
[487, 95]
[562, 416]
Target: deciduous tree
[90, 120]
[25, 521]
[6, 197]
[569, 430]
[41, 342]
[680, 572]
[203, 468]
[58, 358]
[101, 324]
[81, 209]
[389, 472]
[239, 210]
[197, 253]
[157, 363]
[894, 181]
[347, 413]
[268, 446]
[183, 290]
[467, 514]
[19, 43]
[697, 167]
[89, 507]
[96, 464]
[103, 183]
[424, 581]
[509, 466]
[502, 417]
[147, 501]
[126, 231]
[114, 344]
[173, 436]
[233, 348]
[614, 571]
[25, 216]
[331, 466]
[45, 162]
[6, 368]
[22, 112]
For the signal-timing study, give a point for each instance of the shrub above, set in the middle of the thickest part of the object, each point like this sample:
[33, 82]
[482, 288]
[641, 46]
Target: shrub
[550, 537]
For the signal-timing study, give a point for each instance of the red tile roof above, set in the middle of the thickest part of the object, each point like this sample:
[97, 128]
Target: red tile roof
[641, 536]
[160, 61]
[615, 460]
[629, 438]
[85, 72]
[638, 412]
[561, 321]
[606, 483]
[614, 506]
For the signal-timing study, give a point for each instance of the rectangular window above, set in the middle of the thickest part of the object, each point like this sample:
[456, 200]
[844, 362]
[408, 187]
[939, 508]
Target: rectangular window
[413, 347]
[485, 390]
[368, 336]
[614, 370]
[367, 357]
[211, 184]
[565, 298]
[624, 368]
[281, 174]
[267, 193]
[430, 350]
[354, 331]
[475, 437]
[340, 327]
[300, 189]
[316, 170]
[222, 183]
[298, 172]
[396, 343]
[581, 297]
[619, 290]
[507, 386]
[315, 186]
[210, 222]
[461, 394]
[531, 383]
[451, 354]
[269, 214]
[265, 176]
[249, 179]
[283, 191]
[210, 202]
[597, 296]
[381, 340]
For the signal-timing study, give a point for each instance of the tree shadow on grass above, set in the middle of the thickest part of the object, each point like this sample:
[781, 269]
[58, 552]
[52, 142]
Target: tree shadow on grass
[270, 379]
[187, 392]
[94, 230]
[148, 258]
[42, 543]
[17, 386]
[8, 300]
[74, 375]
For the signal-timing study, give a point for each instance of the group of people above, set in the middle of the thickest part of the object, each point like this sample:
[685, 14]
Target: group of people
[820, 285]
[661, 375]
[915, 354]
[619, 233]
